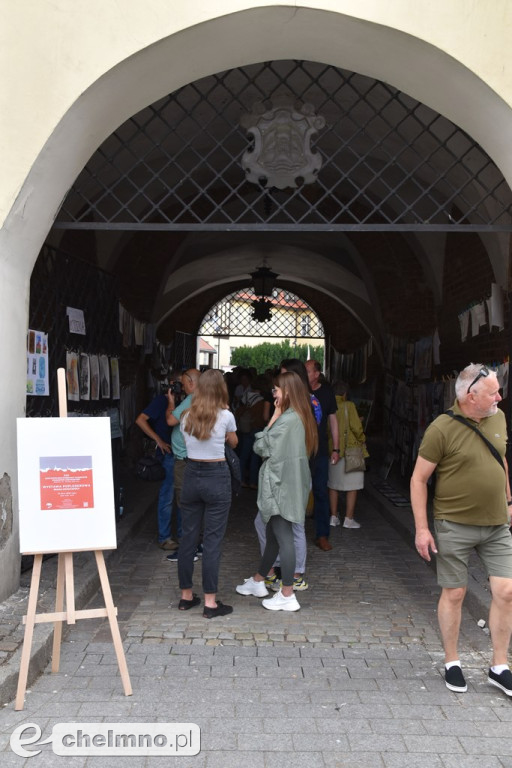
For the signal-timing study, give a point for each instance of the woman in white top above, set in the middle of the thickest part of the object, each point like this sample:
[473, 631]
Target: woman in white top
[206, 492]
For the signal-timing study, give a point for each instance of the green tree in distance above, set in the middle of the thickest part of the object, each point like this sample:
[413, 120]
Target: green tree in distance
[268, 355]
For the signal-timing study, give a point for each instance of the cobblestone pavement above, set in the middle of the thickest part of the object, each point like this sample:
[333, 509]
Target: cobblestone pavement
[351, 680]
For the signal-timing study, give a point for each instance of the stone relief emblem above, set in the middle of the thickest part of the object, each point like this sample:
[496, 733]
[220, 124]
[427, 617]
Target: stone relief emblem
[282, 152]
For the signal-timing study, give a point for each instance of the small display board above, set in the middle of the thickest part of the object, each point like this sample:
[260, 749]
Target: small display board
[66, 494]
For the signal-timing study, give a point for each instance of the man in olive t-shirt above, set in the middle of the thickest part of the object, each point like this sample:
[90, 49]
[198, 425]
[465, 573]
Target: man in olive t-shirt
[471, 511]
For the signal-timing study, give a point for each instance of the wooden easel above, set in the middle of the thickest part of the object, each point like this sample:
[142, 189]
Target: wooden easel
[65, 588]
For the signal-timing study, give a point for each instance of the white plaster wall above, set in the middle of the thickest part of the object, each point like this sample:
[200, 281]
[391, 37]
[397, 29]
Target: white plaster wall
[54, 50]
[75, 69]
[14, 291]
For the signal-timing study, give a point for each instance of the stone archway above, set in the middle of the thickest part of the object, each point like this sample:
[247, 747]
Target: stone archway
[104, 98]
[436, 79]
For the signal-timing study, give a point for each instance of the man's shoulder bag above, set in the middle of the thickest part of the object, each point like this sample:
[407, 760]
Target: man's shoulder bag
[486, 441]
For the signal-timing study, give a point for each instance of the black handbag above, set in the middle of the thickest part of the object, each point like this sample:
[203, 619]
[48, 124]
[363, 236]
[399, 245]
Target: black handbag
[150, 468]
[233, 463]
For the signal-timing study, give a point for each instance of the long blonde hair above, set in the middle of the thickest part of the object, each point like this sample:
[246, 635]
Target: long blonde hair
[211, 396]
[296, 396]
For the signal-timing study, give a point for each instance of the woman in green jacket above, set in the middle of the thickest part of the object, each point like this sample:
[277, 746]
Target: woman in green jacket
[285, 446]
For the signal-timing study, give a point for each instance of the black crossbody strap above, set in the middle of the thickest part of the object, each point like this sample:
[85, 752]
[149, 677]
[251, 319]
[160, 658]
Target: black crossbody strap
[486, 441]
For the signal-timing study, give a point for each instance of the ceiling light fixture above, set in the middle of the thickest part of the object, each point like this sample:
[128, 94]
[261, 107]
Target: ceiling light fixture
[263, 281]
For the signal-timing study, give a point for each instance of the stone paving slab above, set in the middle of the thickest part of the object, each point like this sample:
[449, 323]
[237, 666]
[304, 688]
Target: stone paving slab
[352, 679]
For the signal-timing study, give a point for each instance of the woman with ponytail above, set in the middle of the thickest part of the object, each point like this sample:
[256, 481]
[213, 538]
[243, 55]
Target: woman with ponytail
[206, 494]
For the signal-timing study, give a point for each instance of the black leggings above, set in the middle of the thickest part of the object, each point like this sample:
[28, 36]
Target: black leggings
[279, 541]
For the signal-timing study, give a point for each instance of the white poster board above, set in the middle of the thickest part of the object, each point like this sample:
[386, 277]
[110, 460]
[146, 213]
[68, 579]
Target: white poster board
[66, 494]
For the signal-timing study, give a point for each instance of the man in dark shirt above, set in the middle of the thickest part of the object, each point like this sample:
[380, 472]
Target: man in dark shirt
[320, 466]
[153, 423]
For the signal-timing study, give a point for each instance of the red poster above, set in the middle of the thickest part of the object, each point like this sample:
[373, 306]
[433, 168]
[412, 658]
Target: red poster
[66, 482]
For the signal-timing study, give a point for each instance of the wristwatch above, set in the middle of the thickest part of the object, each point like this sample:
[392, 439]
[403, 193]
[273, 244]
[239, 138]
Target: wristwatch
[337, 450]
[509, 503]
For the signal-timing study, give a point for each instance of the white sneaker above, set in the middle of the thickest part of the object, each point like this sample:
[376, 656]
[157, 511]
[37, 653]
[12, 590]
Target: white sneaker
[349, 522]
[251, 587]
[334, 521]
[281, 603]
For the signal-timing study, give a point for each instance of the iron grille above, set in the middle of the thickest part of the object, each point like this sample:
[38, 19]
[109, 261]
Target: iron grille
[388, 161]
[58, 281]
[291, 318]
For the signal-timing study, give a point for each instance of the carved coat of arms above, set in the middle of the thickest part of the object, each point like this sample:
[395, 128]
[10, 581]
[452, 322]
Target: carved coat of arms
[282, 153]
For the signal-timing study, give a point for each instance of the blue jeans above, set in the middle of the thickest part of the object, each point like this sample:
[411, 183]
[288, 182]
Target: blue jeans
[166, 498]
[205, 500]
[319, 477]
[249, 461]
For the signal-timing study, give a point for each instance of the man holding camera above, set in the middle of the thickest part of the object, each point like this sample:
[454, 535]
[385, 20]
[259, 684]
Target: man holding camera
[153, 422]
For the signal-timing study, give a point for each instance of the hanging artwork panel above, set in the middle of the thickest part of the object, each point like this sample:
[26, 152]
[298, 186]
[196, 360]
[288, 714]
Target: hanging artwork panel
[104, 377]
[37, 363]
[73, 385]
[85, 377]
[95, 377]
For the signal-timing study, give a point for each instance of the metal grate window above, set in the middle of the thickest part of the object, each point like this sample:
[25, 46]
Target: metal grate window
[58, 281]
[388, 161]
[291, 317]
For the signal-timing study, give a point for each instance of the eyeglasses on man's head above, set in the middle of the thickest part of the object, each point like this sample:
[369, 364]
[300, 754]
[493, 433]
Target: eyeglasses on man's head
[483, 372]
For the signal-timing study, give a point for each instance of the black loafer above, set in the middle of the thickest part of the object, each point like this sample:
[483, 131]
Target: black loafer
[185, 605]
[220, 610]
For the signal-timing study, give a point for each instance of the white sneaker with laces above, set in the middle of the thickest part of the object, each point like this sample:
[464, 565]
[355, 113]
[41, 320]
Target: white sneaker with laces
[334, 521]
[252, 587]
[281, 603]
[349, 522]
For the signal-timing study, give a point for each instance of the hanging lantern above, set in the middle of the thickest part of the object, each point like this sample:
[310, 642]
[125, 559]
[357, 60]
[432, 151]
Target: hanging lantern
[263, 281]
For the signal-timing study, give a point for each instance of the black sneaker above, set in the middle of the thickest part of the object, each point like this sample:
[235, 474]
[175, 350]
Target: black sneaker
[174, 557]
[454, 680]
[220, 610]
[503, 681]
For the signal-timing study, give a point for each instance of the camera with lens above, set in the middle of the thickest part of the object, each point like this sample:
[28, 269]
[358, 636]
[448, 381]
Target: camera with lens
[176, 389]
